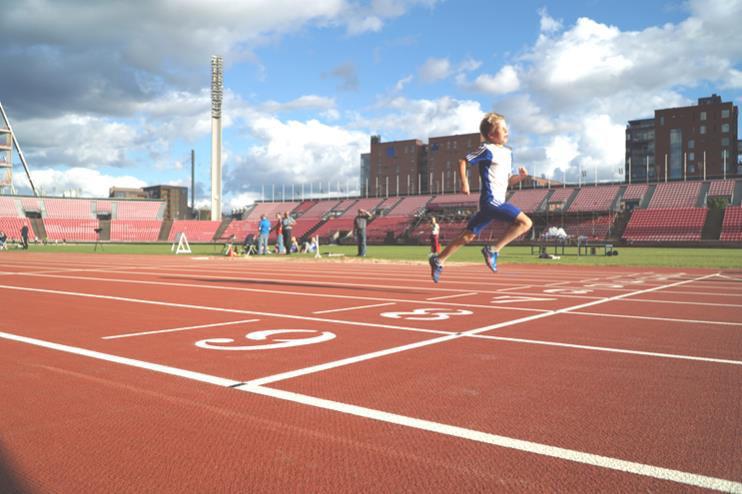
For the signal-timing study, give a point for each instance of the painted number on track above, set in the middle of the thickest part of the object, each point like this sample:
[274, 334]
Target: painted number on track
[220, 343]
[427, 314]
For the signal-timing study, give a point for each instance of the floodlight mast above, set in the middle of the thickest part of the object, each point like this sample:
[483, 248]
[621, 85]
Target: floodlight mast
[217, 86]
[18, 148]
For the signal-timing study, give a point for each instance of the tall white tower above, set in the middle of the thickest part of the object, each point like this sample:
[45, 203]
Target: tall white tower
[217, 86]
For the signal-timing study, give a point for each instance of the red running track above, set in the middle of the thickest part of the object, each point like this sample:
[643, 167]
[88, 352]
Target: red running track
[152, 374]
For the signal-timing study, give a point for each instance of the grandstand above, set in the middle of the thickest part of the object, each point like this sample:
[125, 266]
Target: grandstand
[656, 213]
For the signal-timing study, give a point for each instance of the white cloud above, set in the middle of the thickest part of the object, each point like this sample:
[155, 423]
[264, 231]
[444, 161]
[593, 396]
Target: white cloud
[77, 140]
[422, 118]
[548, 23]
[296, 152]
[435, 69]
[89, 183]
[505, 81]
[400, 85]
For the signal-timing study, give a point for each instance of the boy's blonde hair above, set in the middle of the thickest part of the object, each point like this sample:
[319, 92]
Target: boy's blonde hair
[489, 122]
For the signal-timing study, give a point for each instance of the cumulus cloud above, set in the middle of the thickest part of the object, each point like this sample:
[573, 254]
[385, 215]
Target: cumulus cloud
[405, 118]
[295, 152]
[577, 86]
[435, 69]
[82, 181]
[505, 81]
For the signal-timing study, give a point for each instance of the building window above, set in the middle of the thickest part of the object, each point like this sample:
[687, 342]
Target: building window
[691, 156]
[725, 141]
[725, 113]
[703, 115]
[676, 154]
[702, 130]
[725, 128]
[691, 144]
[662, 120]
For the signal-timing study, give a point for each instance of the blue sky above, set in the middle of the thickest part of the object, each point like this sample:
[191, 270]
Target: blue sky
[108, 93]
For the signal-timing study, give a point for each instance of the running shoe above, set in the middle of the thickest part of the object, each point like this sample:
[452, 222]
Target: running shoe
[435, 267]
[490, 258]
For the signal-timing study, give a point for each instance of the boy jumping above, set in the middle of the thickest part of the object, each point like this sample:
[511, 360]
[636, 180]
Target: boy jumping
[495, 164]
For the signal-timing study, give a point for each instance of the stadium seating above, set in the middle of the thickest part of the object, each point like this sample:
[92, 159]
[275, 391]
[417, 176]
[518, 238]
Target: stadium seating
[334, 225]
[68, 208]
[8, 207]
[71, 229]
[454, 200]
[409, 206]
[195, 230]
[594, 228]
[675, 195]
[241, 229]
[12, 226]
[594, 198]
[320, 208]
[561, 195]
[135, 230]
[139, 210]
[303, 206]
[635, 192]
[678, 224]
[731, 228]
[344, 206]
[528, 200]
[270, 209]
[722, 188]
[103, 207]
[31, 204]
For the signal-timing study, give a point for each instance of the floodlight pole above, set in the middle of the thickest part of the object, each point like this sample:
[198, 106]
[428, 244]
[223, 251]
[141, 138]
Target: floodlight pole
[217, 87]
[18, 148]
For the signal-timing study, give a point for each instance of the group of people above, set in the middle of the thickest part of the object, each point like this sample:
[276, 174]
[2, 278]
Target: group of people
[286, 242]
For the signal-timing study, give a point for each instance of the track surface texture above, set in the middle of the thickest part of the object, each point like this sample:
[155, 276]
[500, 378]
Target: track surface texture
[176, 374]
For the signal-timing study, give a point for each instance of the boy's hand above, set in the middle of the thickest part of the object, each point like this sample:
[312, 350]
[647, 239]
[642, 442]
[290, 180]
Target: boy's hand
[522, 171]
[465, 188]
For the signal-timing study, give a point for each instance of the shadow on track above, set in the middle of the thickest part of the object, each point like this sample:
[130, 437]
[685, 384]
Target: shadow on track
[9, 481]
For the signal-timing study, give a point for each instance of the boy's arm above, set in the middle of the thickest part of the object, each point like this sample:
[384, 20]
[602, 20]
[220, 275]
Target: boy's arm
[464, 177]
[516, 179]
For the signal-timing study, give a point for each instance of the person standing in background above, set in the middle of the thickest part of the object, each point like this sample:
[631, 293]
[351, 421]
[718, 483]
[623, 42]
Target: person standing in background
[288, 228]
[359, 226]
[435, 246]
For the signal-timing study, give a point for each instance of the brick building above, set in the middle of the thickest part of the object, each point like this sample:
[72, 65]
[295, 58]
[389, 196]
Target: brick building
[688, 142]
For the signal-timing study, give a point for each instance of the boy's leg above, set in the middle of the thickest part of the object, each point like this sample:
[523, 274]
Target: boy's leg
[461, 240]
[520, 226]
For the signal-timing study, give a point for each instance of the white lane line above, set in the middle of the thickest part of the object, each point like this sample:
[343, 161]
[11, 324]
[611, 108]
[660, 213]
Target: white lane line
[504, 441]
[165, 369]
[352, 360]
[580, 306]
[174, 330]
[609, 349]
[222, 309]
[348, 361]
[541, 449]
[708, 304]
[352, 308]
[650, 318]
[288, 292]
[457, 295]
